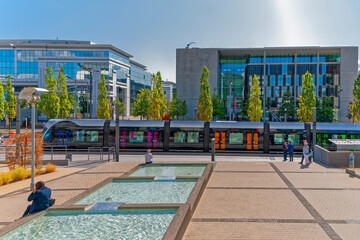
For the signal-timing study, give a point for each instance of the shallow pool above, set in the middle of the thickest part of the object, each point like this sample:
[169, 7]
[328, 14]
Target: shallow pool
[142, 191]
[169, 170]
[123, 224]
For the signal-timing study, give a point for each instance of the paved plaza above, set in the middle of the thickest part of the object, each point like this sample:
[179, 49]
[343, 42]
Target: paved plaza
[247, 197]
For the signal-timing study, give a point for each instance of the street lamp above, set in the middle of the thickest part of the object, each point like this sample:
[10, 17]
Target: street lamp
[230, 85]
[76, 99]
[285, 115]
[91, 88]
[31, 95]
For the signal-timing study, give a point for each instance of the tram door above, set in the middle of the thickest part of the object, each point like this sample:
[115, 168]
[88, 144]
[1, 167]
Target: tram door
[63, 137]
[252, 141]
[220, 138]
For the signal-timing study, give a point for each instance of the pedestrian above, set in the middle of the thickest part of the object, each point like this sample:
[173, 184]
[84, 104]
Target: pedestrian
[306, 153]
[285, 149]
[291, 151]
[311, 155]
[302, 157]
[40, 197]
[148, 157]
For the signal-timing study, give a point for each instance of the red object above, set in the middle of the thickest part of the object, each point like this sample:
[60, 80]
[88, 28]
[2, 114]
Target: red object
[166, 118]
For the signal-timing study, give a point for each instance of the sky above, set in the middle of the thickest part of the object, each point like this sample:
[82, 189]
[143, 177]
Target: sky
[151, 30]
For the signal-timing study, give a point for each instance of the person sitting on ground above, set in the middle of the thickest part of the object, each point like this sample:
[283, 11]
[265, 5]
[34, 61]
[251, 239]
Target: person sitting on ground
[41, 199]
[148, 157]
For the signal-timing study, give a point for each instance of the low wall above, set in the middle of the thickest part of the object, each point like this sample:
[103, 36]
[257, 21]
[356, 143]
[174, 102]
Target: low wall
[335, 158]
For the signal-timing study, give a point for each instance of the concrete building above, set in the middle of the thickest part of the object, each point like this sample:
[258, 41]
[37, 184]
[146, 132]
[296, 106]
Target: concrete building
[279, 70]
[27, 60]
[169, 89]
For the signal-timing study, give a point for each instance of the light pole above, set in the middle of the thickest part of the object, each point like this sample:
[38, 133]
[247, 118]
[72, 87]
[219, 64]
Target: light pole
[230, 86]
[76, 98]
[195, 112]
[285, 115]
[264, 97]
[31, 95]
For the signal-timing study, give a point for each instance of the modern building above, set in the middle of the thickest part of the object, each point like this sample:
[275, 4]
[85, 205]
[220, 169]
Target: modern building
[169, 89]
[278, 69]
[83, 62]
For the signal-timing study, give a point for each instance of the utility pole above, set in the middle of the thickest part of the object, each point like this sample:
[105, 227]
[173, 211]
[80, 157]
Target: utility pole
[230, 100]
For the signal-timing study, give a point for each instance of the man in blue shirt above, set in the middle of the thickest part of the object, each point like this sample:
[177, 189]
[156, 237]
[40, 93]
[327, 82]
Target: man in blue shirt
[285, 149]
[41, 198]
[291, 151]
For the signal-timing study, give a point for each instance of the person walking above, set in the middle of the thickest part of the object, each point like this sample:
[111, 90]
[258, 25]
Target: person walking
[291, 151]
[302, 157]
[306, 153]
[285, 149]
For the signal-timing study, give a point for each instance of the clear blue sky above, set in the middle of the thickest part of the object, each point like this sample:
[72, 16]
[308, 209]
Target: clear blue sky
[151, 30]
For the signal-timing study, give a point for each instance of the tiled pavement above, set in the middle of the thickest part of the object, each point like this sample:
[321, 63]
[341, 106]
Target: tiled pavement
[245, 200]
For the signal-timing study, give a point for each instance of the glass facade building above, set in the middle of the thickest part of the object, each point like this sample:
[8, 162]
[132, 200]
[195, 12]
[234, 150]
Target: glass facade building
[26, 61]
[279, 70]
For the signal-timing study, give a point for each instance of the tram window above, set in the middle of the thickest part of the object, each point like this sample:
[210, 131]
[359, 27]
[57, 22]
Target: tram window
[92, 136]
[47, 137]
[325, 139]
[136, 137]
[352, 136]
[318, 139]
[179, 137]
[279, 138]
[236, 138]
[294, 138]
[193, 137]
[78, 136]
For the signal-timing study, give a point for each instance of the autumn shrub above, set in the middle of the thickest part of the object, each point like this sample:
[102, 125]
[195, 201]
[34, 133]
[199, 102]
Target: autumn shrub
[1, 181]
[5, 177]
[37, 171]
[50, 168]
[19, 173]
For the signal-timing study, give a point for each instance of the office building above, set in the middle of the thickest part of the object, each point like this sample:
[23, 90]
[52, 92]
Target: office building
[279, 70]
[169, 89]
[27, 60]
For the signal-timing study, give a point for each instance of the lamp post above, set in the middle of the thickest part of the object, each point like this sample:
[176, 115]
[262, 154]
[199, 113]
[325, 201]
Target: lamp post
[195, 112]
[76, 98]
[31, 95]
[285, 115]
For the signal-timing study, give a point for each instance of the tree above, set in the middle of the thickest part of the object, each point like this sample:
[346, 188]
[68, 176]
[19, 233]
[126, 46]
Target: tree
[255, 111]
[142, 103]
[325, 112]
[218, 111]
[355, 106]
[121, 105]
[287, 103]
[103, 105]
[50, 102]
[157, 107]
[83, 103]
[205, 107]
[65, 104]
[10, 105]
[2, 102]
[307, 101]
[244, 106]
[177, 107]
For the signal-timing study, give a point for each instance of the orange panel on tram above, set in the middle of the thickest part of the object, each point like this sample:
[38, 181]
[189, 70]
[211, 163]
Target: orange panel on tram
[248, 140]
[217, 134]
[223, 135]
[256, 141]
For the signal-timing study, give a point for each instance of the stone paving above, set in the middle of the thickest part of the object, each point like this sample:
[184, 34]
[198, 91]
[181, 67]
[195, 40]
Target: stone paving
[277, 200]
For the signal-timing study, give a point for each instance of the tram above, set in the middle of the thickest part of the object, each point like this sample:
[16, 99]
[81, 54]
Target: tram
[191, 136]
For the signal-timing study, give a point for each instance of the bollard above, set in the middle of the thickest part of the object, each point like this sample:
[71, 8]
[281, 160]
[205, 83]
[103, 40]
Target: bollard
[213, 149]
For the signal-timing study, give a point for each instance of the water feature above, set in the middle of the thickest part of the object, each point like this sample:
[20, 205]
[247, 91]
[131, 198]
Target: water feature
[184, 170]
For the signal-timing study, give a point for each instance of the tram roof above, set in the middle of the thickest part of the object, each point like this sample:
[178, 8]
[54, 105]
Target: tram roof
[337, 127]
[79, 122]
[246, 125]
[179, 124]
[284, 125]
[138, 123]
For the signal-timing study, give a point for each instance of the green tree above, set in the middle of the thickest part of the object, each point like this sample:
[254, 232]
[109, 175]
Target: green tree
[287, 103]
[355, 105]
[142, 103]
[325, 112]
[65, 104]
[244, 106]
[10, 105]
[121, 105]
[205, 107]
[177, 107]
[307, 101]
[103, 105]
[50, 102]
[218, 110]
[2, 102]
[83, 103]
[255, 110]
[157, 107]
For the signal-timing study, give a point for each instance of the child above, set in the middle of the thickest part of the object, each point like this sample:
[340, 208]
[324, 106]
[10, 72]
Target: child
[148, 157]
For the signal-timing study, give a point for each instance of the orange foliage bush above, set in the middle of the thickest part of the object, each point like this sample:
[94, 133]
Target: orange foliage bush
[50, 168]
[6, 178]
[19, 150]
[18, 174]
